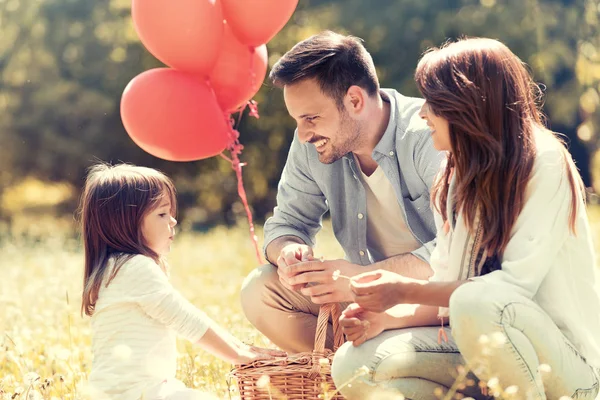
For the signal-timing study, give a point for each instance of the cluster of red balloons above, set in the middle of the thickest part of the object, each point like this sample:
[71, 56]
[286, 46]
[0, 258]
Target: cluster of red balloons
[218, 58]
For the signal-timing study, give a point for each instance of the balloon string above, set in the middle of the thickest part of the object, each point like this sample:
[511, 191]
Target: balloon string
[235, 148]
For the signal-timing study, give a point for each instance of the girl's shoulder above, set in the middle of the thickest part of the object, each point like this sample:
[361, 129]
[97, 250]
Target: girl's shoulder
[133, 266]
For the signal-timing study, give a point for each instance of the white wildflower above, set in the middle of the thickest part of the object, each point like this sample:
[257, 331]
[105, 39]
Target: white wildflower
[511, 390]
[484, 339]
[34, 395]
[498, 339]
[364, 370]
[544, 368]
[263, 381]
[493, 383]
[30, 378]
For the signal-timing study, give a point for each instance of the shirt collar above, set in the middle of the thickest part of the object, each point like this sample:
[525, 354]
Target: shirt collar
[387, 143]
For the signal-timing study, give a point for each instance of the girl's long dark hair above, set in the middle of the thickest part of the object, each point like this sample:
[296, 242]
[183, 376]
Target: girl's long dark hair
[115, 199]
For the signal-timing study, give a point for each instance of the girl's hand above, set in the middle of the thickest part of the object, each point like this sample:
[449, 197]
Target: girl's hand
[248, 354]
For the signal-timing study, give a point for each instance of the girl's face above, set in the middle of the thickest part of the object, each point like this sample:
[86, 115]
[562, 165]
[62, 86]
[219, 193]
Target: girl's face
[158, 228]
[440, 128]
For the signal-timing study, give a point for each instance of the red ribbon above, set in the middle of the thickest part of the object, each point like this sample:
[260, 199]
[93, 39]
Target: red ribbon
[235, 148]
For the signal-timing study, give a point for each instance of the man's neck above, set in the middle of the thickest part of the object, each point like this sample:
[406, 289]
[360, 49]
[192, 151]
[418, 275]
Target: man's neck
[373, 133]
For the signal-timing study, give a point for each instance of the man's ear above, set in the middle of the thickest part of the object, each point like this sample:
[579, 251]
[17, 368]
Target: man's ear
[355, 99]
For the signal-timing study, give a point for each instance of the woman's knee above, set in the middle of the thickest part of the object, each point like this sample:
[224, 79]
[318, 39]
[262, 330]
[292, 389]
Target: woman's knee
[476, 310]
[348, 362]
[474, 301]
[364, 372]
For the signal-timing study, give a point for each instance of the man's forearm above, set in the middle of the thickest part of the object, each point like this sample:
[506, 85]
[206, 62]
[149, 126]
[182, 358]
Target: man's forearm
[274, 248]
[406, 265]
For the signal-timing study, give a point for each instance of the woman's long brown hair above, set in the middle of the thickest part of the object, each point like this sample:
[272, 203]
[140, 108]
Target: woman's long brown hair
[491, 103]
[115, 199]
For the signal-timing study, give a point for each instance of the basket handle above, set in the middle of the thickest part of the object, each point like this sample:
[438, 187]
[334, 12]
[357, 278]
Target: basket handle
[335, 311]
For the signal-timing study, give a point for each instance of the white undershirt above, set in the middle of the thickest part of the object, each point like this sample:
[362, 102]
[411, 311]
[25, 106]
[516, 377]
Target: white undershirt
[387, 233]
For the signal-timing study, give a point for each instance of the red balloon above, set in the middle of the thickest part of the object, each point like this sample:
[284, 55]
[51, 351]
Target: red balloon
[173, 115]
[184, 34]
[258, 21]
[238, 73]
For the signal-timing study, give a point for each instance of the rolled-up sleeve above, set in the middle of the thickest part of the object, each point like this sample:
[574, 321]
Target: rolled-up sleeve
[541, 228]
[300, 202]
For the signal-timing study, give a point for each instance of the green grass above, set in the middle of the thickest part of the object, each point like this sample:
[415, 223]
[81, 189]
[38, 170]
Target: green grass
[42, 333]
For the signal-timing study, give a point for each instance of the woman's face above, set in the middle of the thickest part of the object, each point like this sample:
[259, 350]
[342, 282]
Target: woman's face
[440, 128]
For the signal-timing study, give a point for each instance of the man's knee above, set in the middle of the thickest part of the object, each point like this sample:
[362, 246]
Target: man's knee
[254, 287]
[257, 282]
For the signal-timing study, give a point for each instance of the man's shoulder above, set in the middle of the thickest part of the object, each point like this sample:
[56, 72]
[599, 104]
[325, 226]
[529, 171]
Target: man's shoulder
[411, 127]
[406, 106]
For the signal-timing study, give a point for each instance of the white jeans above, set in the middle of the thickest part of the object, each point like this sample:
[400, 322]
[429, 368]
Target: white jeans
[521, 337]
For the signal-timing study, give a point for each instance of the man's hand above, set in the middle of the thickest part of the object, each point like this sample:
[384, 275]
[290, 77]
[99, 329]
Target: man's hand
[325, 281]
[292, 254]
[360, 325]
[379, 290]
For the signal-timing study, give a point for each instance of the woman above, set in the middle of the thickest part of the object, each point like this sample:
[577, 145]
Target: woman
[514, 267]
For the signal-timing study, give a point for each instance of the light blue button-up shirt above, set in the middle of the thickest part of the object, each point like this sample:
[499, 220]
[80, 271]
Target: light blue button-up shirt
[309, 188]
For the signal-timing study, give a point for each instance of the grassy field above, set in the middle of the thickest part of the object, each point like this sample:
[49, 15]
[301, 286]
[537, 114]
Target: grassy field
[45, 343]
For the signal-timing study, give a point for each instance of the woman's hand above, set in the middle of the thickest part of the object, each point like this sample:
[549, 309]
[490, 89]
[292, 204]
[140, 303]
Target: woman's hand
[247, 354]
[379, 290]
[360, 325]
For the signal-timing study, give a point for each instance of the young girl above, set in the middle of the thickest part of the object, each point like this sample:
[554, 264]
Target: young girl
[514, 265]
[128, 227]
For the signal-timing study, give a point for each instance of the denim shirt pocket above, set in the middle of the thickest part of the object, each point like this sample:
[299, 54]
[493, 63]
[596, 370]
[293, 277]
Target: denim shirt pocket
[419, 203]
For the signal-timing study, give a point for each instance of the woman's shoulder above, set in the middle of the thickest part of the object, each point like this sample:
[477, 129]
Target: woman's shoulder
[550, 152]
[552, 165]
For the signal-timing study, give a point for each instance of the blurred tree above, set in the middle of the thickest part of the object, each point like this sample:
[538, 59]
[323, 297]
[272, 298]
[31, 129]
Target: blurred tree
[65, 63]
[587, 70]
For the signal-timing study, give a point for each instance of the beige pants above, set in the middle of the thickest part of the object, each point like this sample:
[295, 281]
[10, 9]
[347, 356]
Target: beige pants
[287, 318]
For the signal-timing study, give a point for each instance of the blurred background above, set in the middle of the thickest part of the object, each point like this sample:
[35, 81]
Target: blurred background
[64, 65]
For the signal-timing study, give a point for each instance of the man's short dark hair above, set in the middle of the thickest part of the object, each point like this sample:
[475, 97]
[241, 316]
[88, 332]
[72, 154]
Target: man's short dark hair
[335, 61]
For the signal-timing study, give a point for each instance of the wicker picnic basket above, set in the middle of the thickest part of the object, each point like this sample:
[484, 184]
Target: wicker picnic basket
[301, 376]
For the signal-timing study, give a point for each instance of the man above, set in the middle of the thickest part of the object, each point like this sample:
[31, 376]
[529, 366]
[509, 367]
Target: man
[364, 155]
